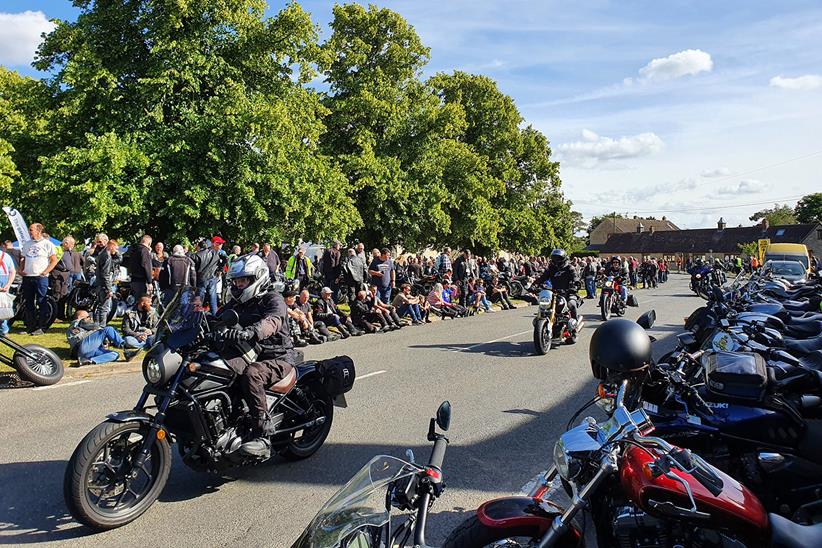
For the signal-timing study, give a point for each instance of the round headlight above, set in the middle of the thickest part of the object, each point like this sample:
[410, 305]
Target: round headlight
[698, 276]
[609, 283]
[152, 372]
[561, 459]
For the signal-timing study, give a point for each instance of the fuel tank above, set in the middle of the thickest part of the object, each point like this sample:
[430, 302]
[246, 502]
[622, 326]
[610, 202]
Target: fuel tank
[735, 507]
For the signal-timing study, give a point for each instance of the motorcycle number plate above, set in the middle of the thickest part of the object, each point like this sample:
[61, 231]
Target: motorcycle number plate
[650, 407]
[694, 420]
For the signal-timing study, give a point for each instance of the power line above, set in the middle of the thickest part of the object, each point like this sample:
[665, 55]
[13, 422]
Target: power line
[712, 208]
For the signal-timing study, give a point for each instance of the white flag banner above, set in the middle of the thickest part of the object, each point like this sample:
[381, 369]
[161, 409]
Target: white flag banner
[21, 229]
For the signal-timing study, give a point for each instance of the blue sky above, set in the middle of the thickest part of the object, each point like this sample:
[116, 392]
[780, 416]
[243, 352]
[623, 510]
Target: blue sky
[666, 108]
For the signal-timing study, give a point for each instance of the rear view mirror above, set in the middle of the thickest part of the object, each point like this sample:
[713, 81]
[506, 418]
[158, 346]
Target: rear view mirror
[646, 321]
[230, 318]
[444, 416]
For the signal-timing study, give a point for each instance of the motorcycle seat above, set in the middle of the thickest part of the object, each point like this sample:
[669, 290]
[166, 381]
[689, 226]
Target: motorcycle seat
[286, 384]
[805, 318]
[812, 360]
[803, 347]
[787, 534]
[804, 329]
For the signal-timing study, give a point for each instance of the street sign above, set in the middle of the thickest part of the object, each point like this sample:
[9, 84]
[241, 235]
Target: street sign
[763, 245]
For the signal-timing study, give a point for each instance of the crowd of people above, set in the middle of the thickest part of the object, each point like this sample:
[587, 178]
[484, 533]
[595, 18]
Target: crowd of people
[336, 294]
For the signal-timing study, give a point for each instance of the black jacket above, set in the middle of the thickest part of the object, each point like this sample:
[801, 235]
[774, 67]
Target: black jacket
[268, 317]
[206, 262]
[331, 264]
[563, 278]
[178, 271]
[104, 271]
[140, 264]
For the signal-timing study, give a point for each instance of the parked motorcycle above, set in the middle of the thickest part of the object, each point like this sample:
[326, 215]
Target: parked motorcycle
[553, 324]
[638, 490]
[119, 469]
[33, 363]
[359, 515]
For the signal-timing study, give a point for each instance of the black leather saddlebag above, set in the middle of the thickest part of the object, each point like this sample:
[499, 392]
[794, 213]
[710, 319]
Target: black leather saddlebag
[740, 375]
[338, 374]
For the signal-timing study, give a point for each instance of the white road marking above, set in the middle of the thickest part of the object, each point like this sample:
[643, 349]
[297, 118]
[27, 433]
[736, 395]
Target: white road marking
[491, 341]
[61, 385]
[369, 375]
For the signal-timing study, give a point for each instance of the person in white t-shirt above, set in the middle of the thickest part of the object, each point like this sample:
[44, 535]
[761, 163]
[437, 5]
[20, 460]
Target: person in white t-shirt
[38, 258]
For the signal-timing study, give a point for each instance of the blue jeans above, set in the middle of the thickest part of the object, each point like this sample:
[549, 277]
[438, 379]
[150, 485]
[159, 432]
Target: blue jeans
[412, 310]
[91, 348]
[623, 292]
[385, 294]
[35, 289]
[134, 342]
[73, 279]
[207, 291]
[590, 287]
[484, 302]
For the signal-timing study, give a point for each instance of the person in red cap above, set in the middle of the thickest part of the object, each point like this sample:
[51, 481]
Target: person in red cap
[217, 243]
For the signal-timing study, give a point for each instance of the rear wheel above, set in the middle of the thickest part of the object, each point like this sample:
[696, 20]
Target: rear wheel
[103, 486]
[472, 533]
[43, 368]
[542, 336]
[305, 443]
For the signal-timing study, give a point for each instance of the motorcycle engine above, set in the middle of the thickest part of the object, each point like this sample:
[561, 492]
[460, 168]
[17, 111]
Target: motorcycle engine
[633, 528]
[216, 416]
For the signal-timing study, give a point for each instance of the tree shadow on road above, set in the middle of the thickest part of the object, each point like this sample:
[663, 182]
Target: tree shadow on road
[499, 349]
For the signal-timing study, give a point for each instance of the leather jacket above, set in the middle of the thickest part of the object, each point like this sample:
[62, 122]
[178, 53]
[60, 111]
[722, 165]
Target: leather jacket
[267, 315]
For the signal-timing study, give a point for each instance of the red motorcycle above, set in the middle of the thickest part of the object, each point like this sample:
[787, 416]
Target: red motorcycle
[640, 491]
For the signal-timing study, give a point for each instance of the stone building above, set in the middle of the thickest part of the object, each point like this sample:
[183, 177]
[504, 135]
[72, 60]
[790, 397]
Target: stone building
[616, 225]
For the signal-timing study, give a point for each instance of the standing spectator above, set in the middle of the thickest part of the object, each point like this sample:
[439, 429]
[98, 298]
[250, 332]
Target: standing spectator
[235, 252]
[589, 274]
[383, 274]
[326, 311]
[360, 250]
[299, 268]
[331, 266]
[407, 304]
[158, 260]
[38, 259]
[206, 262]
[8, 271]
[354, 272]
[443, 264]
[140, 324]
[140, 267]
[272, 260]
[179, 273]
[104, 282]
[68, 271]
[14, 253]
[632, 274]
[464, 270]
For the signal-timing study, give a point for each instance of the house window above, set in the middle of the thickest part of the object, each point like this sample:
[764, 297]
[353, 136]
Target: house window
[819, 233]
[780, 232]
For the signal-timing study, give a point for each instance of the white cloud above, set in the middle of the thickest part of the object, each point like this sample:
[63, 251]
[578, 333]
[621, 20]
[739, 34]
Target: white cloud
[676, 65]
[718, 172]
[800, 83]
[594, 149]
[21, 36]
[745, 186]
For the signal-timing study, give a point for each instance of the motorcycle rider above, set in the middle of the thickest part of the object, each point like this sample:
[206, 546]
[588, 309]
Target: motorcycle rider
[263, 320]
[615, 268]
[563, 277]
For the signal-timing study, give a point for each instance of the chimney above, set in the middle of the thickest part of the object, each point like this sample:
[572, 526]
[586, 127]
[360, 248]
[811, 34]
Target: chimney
[765, 224]
[639, 228]
[651, 229]
[721, 224]
[664, 218]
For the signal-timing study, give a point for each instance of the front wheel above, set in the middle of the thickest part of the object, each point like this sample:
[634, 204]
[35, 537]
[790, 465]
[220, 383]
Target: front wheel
[472, 533]
[542, 336]
[43, 367]
[104, 488]
[605, 307]
[305, 443]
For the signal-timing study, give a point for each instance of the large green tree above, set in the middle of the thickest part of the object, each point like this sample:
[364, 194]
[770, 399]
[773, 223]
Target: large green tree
[183, 118]
[809, 208]
[779, 214]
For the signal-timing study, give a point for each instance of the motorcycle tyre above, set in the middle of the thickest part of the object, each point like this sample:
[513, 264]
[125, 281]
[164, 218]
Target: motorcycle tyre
[541, 344]
[20, 315]
[21, 364]
[293, 451]
[84, 455]
[472, 533]
[605, 308]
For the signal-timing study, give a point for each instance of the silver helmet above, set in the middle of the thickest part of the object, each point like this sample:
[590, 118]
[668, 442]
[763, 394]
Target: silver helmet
[247, 278]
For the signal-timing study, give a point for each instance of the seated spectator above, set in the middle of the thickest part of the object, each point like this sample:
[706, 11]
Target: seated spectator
[386, 310]
[407, 304]
[90, 343]
[140, 324]
[449, 298]
[438, 306]
[296, 320]
[326, 311]
[304, 304]
[500, 294]
[480, 297]
[363, 315]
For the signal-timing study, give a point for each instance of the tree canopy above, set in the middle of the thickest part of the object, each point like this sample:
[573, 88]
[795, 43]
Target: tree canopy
[809, 208]
[777, 215]
[186, 118]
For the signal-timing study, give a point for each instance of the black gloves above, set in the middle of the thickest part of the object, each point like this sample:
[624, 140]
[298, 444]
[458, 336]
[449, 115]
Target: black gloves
[239, 335]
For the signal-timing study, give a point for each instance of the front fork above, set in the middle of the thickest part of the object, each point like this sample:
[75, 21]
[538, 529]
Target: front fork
[156, 424]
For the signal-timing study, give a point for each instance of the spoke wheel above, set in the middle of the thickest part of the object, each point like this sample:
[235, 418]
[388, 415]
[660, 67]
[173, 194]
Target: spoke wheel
[104, 486]
[43, 368]
[306, 442]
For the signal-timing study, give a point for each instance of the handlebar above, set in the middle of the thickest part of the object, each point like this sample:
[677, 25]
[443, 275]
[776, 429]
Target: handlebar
[438, 452]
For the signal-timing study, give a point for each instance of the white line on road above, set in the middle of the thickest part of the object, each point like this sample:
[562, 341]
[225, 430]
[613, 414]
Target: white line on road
[369, 375]
[491, 341]
[75, 383]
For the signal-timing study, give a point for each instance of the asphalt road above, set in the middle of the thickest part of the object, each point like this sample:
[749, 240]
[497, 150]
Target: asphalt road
[509, 407]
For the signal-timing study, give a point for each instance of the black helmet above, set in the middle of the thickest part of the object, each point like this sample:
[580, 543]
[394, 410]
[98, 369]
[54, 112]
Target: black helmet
[619, 346]
[615, 259]
[559, 257]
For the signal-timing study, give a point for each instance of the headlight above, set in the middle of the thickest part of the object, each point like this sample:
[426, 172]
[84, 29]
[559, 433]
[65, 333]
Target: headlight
[567, 466]
[152, 371]
[609, 283]
[698, 276]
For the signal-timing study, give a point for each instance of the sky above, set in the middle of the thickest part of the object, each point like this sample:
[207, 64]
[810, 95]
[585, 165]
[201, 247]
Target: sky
[692, 110]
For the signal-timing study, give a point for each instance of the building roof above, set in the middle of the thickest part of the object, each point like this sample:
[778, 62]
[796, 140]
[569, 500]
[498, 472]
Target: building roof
[629, 225]
[702, 240]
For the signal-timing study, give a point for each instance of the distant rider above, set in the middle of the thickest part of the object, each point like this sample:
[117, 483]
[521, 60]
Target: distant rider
[263, 320]
[563, 277]
[616, 269]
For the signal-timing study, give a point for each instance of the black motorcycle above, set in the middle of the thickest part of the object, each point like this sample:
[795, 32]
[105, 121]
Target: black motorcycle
[119, 469]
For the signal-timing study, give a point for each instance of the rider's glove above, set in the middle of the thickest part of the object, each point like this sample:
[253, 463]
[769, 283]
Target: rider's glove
[239, 335]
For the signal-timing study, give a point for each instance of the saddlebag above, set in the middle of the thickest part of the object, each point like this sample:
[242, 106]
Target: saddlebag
[739, 375]
[632, 301]
[338, 374]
